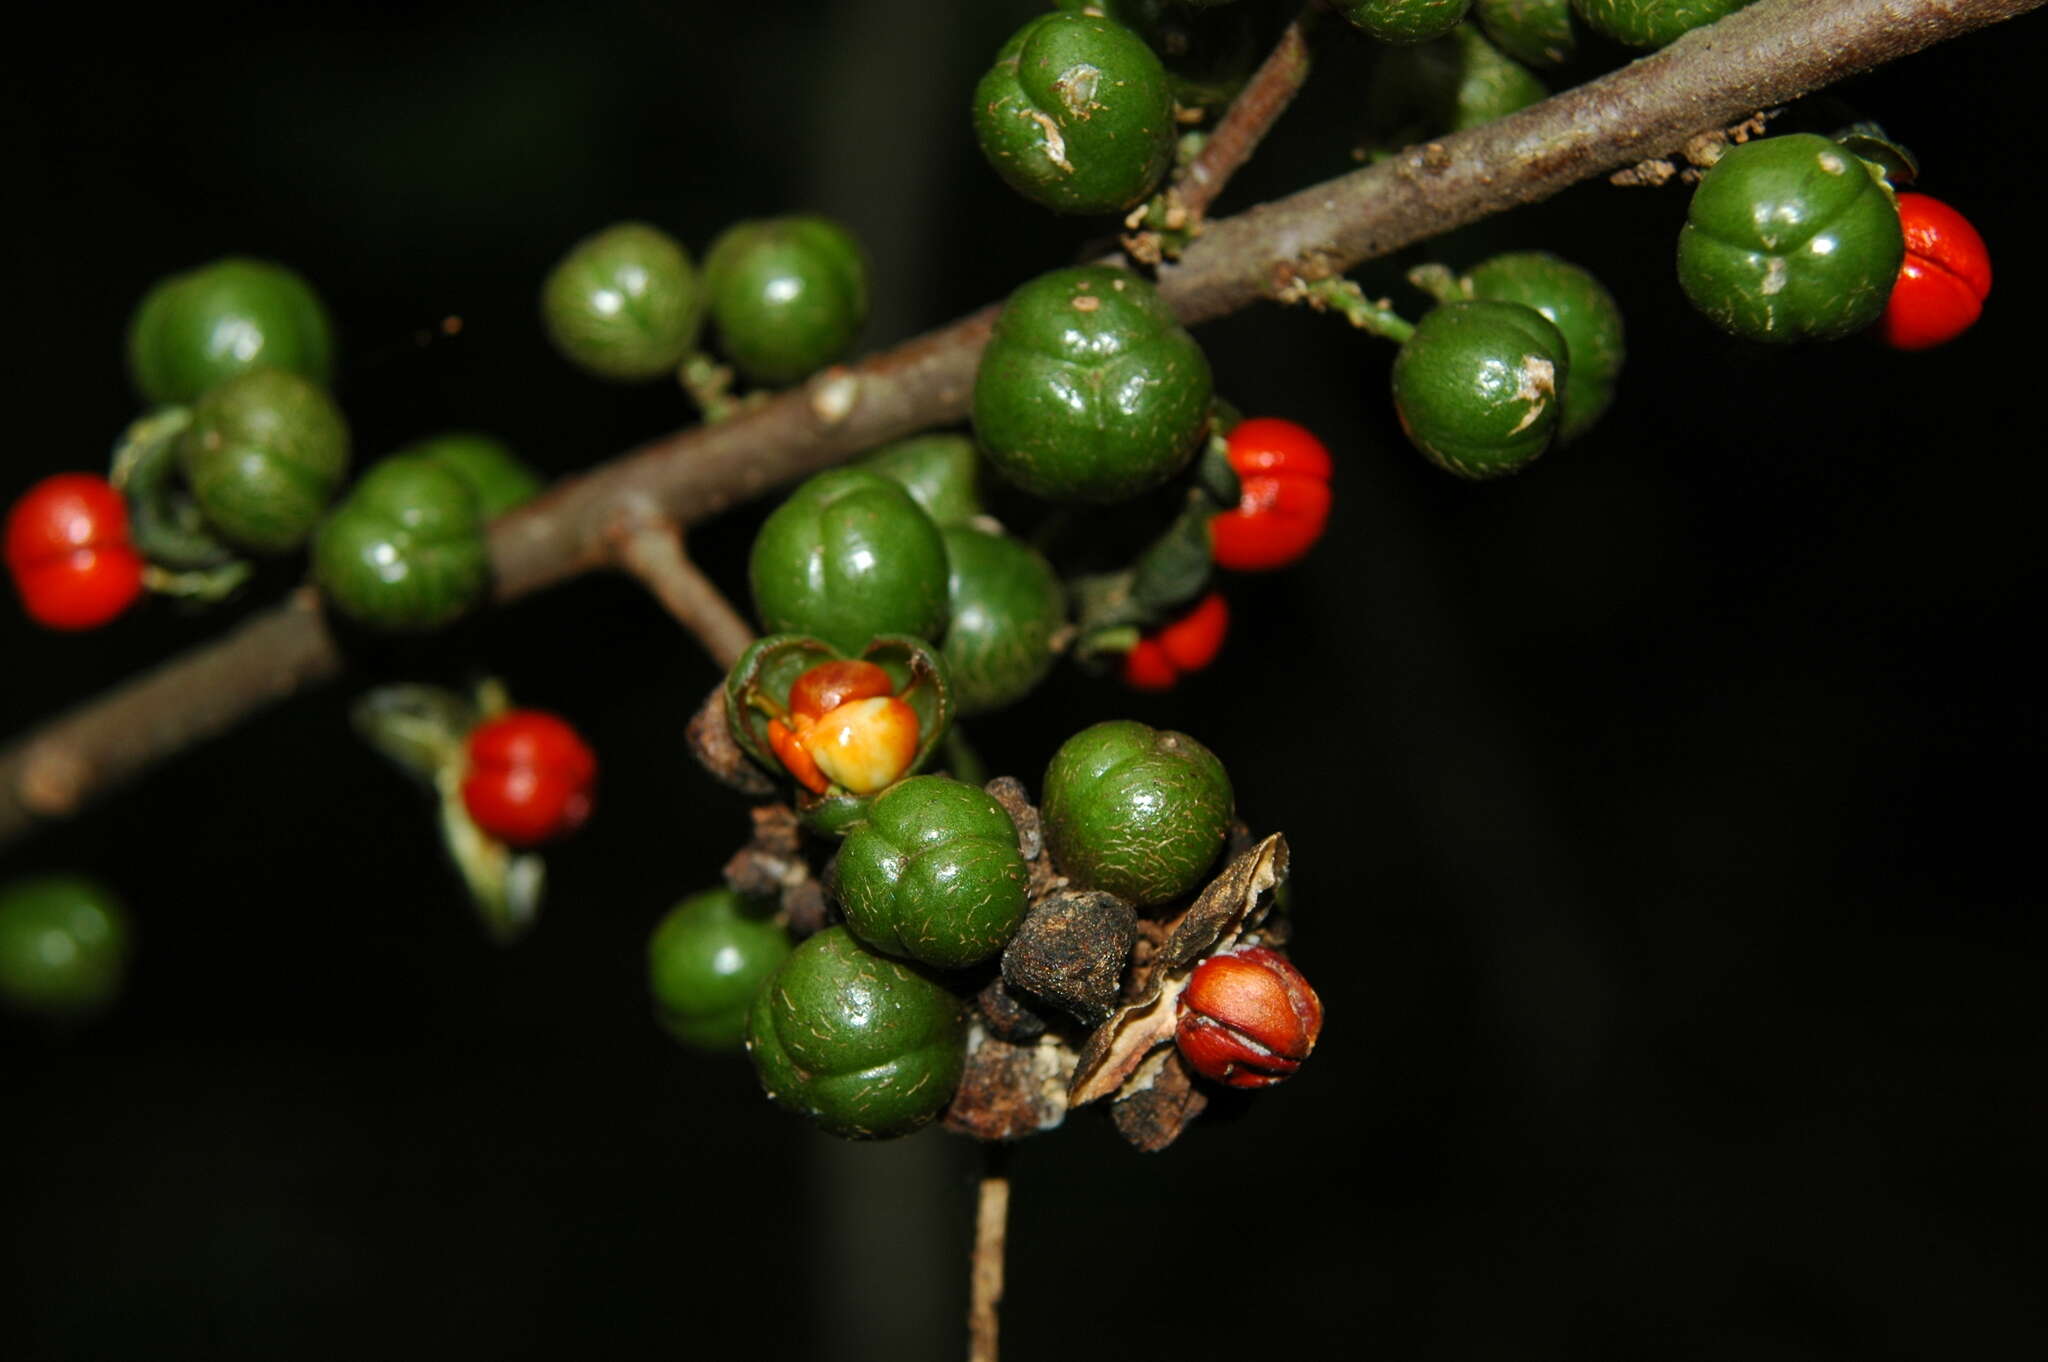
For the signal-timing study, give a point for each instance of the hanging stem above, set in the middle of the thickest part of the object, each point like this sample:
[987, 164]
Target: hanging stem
[991, 1230]
[649, 545]
[1348, 300]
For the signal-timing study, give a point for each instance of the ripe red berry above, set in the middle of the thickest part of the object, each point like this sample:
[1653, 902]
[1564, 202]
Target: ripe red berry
[68, 551]
[529, 778]
[1945, 278]
[1247, 1019]
[1283, 474]
[1188, 644]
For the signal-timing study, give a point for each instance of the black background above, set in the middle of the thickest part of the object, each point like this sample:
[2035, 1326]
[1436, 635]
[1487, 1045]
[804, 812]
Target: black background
[1665, 819]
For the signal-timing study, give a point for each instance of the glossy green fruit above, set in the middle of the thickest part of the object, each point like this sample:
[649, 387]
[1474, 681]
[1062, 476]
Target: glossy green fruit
[1652, 23]
[499, 478]
[263, 457]
[1076, 114]
[1535, 32]
[1137, 811]
[867, 1046]
[707, 959]
[63, 945]
[942, 473]
[1089, 390]
[1404, 21]
[1477, 386]
[623, 304]
[200, 328]
[1790, 238]
[1208, 56]
[1583, 311]
[406, 551]
[788, 295]
[850, 555]
[934, 874]
[1008, 609]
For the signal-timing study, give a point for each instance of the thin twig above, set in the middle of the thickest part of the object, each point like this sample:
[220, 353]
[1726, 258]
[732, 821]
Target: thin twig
[1248, 119]
[1767, 54]
[649, 545]
[991, 1229]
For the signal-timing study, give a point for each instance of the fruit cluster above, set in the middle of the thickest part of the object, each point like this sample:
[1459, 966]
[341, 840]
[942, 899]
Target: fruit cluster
[242, 453]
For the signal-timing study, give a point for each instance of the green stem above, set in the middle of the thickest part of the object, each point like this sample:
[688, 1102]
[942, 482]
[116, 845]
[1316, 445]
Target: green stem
[1348, 300]
[164, 522]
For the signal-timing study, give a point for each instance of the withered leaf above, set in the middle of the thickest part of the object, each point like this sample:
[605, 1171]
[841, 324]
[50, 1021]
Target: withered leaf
[1234, 903]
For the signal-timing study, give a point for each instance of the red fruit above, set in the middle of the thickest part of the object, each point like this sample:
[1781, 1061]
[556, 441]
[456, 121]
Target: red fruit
[68, 551]
[530, 777]
[1283, 474]
[1247, 1019]
[1188, 644]
[829, 685]
[1946, 276]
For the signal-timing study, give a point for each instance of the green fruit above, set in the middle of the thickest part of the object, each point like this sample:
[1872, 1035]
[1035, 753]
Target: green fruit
[1536, 32]
[850, 555]
[1089, 390]
[1137, 811]
[865, 1045]
[934, 874]
[200, 328]
[1404, 21]
[1208, 57]
[1476, 386]
[497, 476]
[705, 962]
[1652, 23]
[623, 304]
[1790, 238]
[63, 945]
[1583, 311]
[263, 457]
[788, 295]
[1076, 114]
[406, 551]
[941, 473]
[1008, 609]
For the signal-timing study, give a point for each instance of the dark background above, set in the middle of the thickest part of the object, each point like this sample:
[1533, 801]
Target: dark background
[1665, 819]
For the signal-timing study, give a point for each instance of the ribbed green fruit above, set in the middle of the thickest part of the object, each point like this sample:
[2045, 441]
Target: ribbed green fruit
[788, 295]
[1790, 238]
[406, 551]
[1089, 391]
[1404, 21]
[1476, 387]
[867, 1046]
[1007, 610]
[500, 479]
[263, 457]
[196, 329]
[1652, 23]
[1137, 811]
[934, 874]
[1582, 310]
[1535, 32]
[1076, 114]
[848, 556]
[623, 304]
[942, 473]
